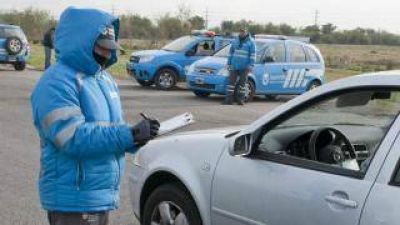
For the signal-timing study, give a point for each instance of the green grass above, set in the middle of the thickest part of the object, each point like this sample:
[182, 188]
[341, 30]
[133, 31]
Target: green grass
[341, 60]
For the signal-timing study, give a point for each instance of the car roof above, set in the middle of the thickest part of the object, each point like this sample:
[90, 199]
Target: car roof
[8, 26]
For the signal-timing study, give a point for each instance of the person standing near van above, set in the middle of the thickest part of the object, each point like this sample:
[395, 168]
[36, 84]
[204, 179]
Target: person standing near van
[48, 44]
[240, 62]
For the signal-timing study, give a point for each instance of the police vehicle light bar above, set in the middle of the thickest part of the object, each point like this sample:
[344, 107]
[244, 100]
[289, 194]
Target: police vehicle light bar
[207, 33]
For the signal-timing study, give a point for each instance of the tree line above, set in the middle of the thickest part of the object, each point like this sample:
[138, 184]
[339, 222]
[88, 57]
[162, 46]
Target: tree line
[170, 26]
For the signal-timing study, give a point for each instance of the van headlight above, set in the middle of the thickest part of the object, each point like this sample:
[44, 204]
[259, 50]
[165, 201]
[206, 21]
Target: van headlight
[223, 72]
[146, 58]
[190, 69]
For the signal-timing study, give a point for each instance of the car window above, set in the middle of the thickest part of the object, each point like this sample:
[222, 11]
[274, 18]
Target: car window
[312, 56]
[205, 48]
[363, 117]
[275, 53]
[260, 49]
[179, 44]
[296, 53]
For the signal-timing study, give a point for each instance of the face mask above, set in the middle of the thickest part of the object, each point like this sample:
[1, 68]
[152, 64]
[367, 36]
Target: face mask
[101, 60]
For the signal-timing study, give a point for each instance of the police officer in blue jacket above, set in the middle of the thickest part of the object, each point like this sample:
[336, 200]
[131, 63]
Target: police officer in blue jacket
[240, 62]
[77, 112]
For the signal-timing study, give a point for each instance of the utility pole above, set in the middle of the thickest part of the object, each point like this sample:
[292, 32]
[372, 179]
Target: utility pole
[316, 17]
[113, 10]
[206, 22]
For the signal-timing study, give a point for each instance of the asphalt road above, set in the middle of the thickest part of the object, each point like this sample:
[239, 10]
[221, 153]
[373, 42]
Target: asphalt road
[19, 151]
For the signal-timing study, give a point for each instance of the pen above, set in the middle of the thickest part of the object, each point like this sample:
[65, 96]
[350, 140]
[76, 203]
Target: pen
[144, 116]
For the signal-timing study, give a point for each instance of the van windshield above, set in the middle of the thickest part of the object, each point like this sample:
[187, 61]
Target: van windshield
[179, 44]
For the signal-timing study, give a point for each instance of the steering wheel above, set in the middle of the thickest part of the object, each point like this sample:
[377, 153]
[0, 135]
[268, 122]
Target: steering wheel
[331, 153]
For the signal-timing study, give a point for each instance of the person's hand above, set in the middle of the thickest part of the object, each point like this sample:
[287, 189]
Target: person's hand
[228, 67]
[145, 130]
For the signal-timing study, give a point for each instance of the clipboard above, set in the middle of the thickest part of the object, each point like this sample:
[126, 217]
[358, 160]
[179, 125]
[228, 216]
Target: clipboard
[176, 123]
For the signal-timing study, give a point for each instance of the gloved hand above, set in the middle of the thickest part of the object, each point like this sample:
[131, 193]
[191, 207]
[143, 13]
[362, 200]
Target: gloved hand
[145, 130]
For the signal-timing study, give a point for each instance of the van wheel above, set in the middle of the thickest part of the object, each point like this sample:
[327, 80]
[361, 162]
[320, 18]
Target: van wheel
[145, 83]
[250, 91]
[202, 94]
[170, 204]
[314, 84]
[166, 79]
[19, 66]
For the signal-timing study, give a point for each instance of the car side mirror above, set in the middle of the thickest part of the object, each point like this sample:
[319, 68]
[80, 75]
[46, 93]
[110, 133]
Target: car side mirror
[190, 52]
[241, 145]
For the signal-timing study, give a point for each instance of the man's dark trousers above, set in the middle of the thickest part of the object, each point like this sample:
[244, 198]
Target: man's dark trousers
[235, 89]
[62, 218]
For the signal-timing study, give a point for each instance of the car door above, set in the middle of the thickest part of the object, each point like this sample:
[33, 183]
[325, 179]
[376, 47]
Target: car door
[295, 72]
[270, 76]
[270, 187]
[382, 205]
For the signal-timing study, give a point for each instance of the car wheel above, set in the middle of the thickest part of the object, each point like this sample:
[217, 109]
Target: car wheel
[145, 83]
[170, 204]
[14, 45]
[250, 90]
[202, 94]
[166, 79]
[19, 66]
[313, 85]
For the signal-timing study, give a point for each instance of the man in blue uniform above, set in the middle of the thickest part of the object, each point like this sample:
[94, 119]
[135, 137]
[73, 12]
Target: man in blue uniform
[240, 62]
[77, 112]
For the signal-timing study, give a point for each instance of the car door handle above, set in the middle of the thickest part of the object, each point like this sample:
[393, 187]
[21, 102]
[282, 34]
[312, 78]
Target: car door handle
[341, 201]
[284, 70]
[307, 69]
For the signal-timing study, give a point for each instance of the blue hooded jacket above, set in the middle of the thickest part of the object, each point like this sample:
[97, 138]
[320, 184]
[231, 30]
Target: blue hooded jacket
[77, 112]
[242, 55]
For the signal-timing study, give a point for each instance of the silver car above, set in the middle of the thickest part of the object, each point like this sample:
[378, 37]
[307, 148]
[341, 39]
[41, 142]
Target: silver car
[328, 157]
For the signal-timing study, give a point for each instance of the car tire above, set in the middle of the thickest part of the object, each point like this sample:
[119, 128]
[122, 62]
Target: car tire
[14, 45]
[145, 83]
[314, 84]
[166, 79]
[19, 66]
[250, 91]
[202, 94]
[177, 204]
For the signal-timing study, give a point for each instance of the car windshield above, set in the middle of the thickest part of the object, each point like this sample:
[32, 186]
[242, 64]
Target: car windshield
[377, 112]
[179, 44]
[6, 32]
[224, 52]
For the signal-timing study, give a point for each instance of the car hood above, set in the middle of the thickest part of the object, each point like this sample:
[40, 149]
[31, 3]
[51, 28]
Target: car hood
[158, 52]
[186, 147]
[211, 62]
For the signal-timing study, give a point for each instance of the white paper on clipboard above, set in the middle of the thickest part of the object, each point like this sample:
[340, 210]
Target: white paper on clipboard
[175, 123]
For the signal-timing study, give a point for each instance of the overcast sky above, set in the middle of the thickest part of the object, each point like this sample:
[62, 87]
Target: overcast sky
[346, 14]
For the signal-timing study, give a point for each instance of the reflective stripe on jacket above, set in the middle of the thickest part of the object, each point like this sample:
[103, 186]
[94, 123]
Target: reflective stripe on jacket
[77, 112]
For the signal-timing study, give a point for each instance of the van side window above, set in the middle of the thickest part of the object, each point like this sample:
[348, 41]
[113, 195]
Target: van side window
[312, 56]
[296, 53]
[275, 53]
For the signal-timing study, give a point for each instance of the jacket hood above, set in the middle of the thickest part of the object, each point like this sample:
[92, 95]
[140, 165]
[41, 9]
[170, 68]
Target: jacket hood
[75, 37]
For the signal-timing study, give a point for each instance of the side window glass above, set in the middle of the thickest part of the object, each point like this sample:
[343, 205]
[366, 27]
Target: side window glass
[205, 48]
[312, 55]
[275, 53]
[343, 131]
[396, 176]
[296, 53]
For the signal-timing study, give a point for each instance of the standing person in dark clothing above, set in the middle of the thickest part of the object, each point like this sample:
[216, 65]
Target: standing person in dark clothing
[240, 62]
[48, 43]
